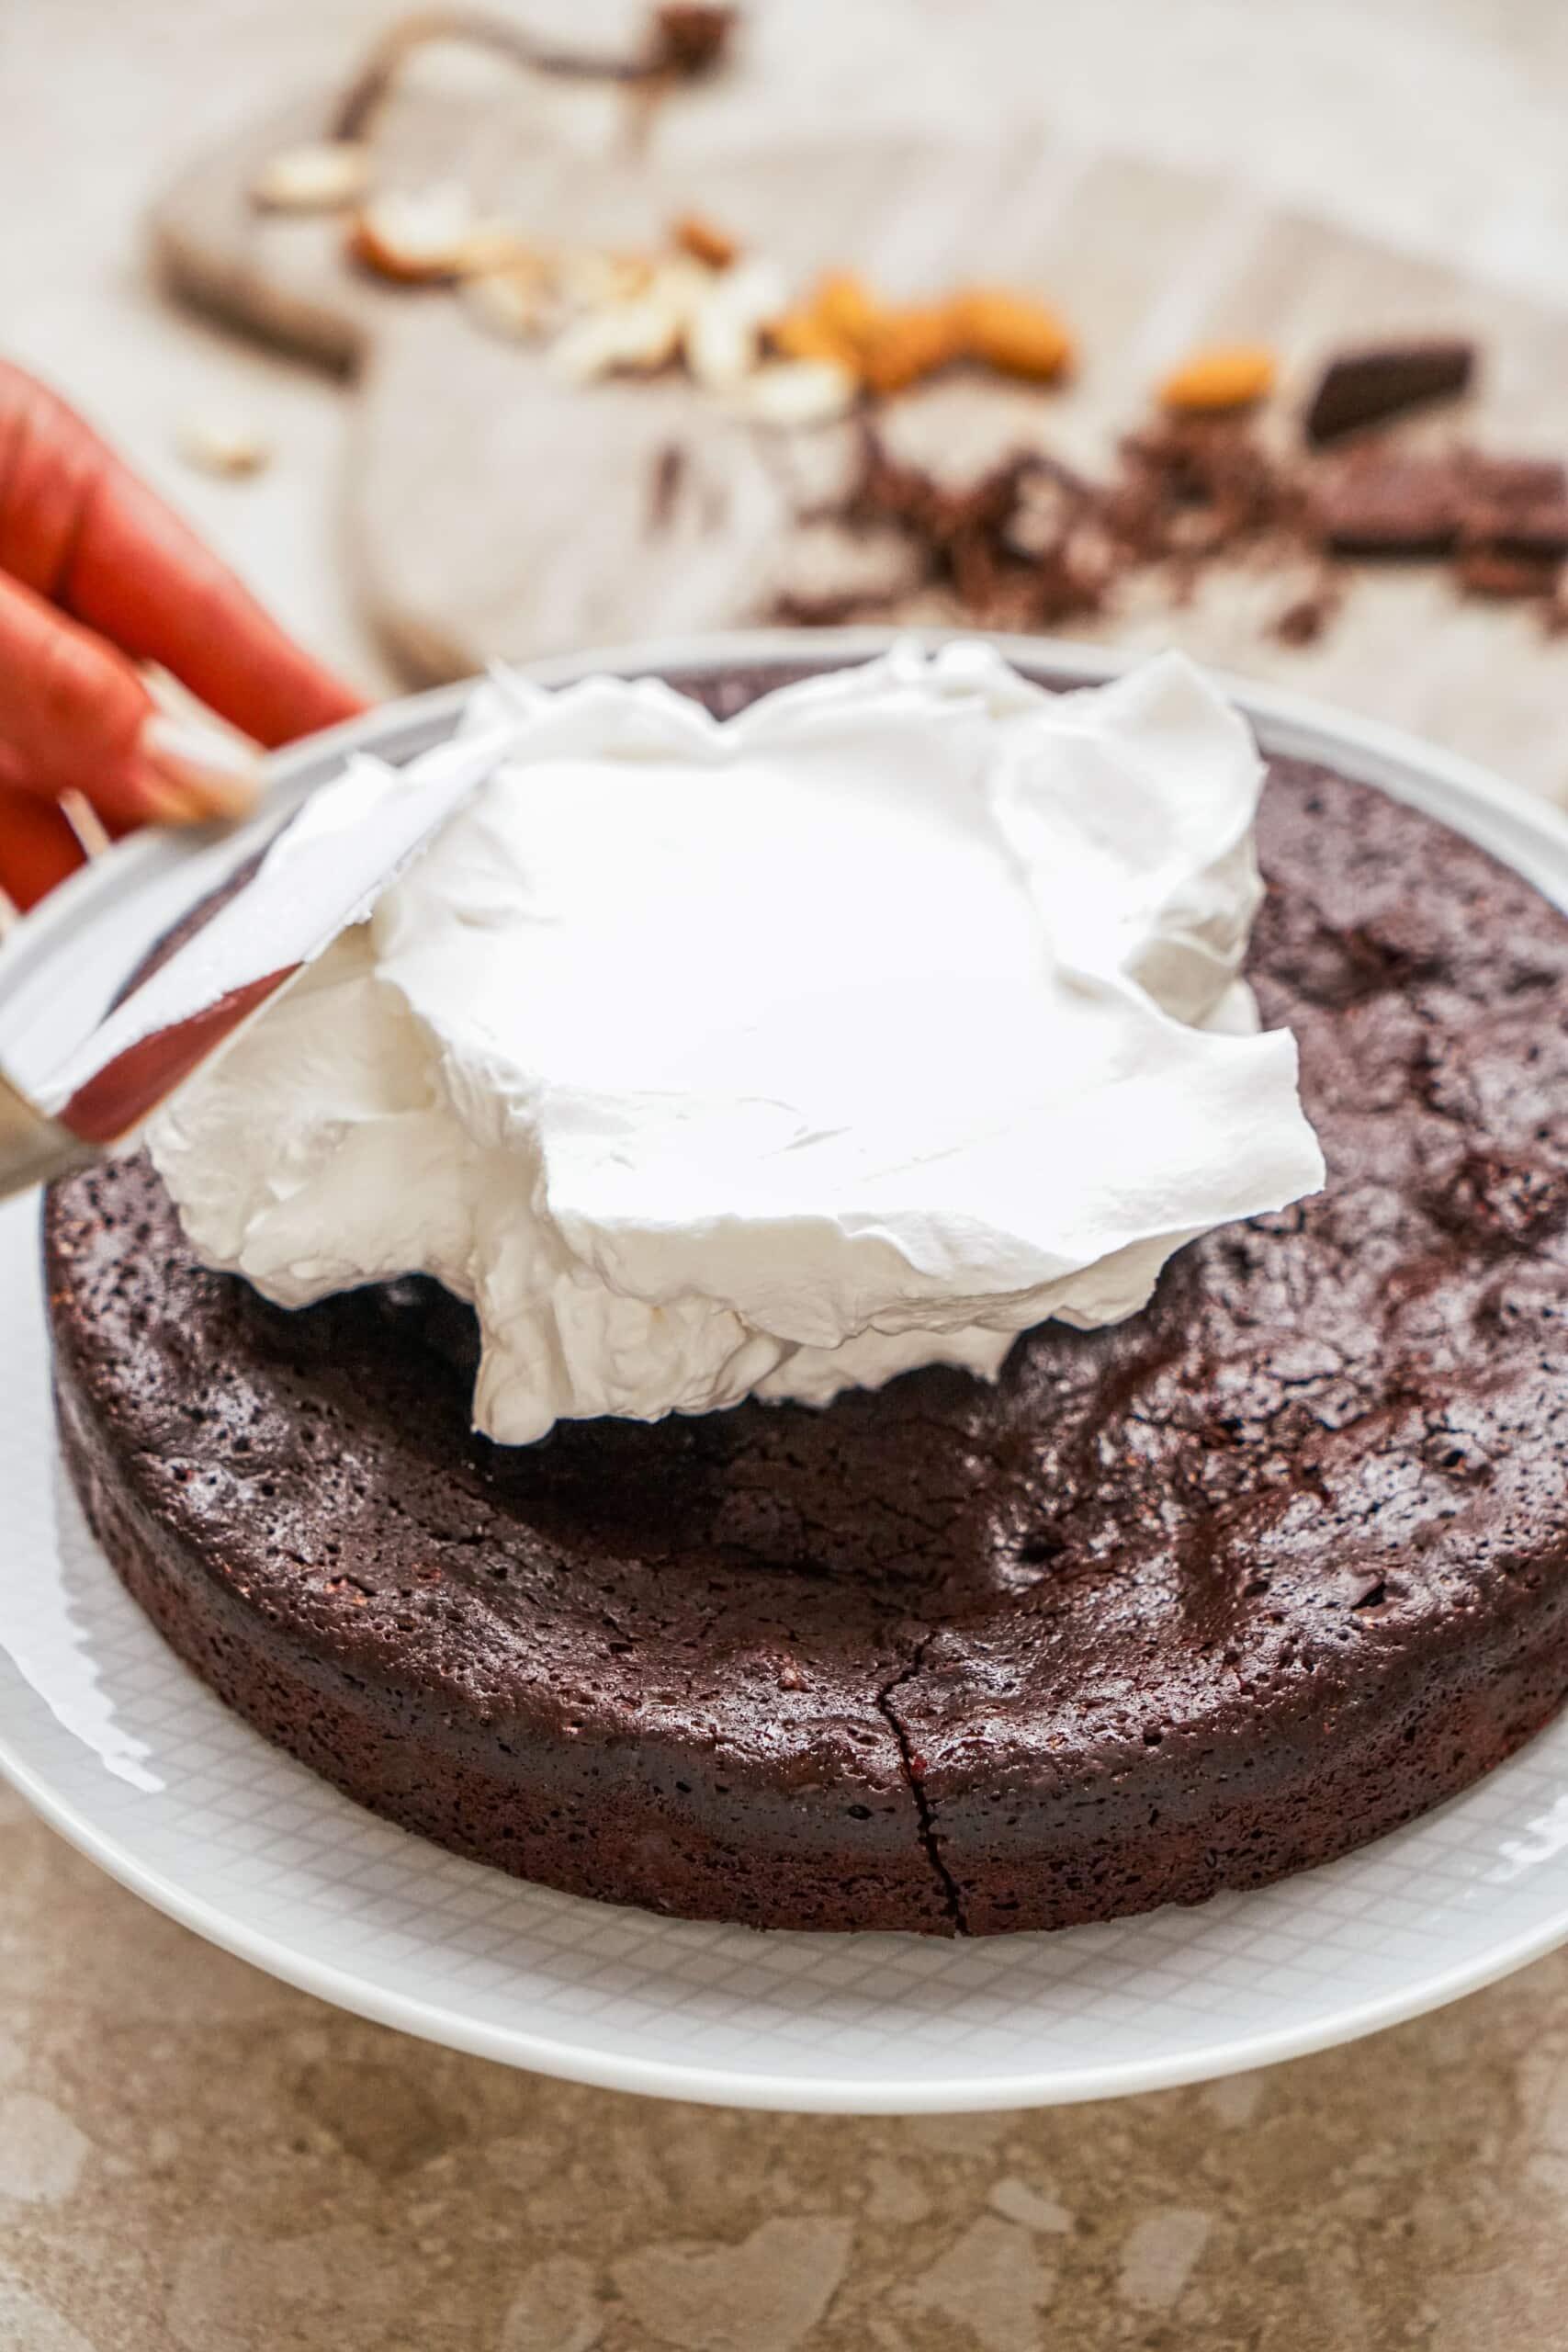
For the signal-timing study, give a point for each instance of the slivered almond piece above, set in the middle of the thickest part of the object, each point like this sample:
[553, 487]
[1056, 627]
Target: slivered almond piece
[1224, 376]
[798, 392]
[705, 241]
[326, 176]
[491, 245]
[219, 445]
[1012, 333]
[419, 237]
[509, 302]
[724, 325]
[588, 277]
[623, 338]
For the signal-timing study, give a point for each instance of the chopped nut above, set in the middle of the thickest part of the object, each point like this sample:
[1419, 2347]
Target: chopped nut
[423, 236]
[798, 392]
[588, 277]
[220, 444]
[705, 241]
[724, 323]
[636, 338]
[844, 304]
[802, 334]
[324, 177]
[720, 347]
[904, 345]
[1224, 378]
[509, 302]
[891, 346]
[1011, 334]
[489, 246]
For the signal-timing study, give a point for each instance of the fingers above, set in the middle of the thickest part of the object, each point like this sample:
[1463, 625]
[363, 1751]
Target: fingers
[74, 714]
[82, 532]
[38, 848]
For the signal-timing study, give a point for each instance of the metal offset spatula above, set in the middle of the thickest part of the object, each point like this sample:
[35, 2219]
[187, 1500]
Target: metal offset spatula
[325, 870]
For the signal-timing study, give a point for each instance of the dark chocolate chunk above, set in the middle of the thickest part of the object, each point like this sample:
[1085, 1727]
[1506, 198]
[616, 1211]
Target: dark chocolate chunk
[1513, 483]
[664, 487]
[1032, 543]
[1385, 379]
[1304, 621]
[1376, 503]
[1541, 529]
[1492, 571]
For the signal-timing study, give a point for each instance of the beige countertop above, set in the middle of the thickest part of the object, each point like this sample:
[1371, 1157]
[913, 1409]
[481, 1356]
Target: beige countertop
[193, 2155]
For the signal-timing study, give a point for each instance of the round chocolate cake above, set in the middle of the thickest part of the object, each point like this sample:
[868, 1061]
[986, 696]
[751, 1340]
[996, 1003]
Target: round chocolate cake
[1187, 1603]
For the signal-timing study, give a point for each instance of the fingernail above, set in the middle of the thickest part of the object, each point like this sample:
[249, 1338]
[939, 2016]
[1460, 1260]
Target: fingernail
[191, 772]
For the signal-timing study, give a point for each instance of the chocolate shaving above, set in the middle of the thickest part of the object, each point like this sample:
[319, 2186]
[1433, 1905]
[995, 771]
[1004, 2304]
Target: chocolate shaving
[1487, 571]
[1366, 387]
[1304, 621]
[792, 608]
[664, 487]
[1033, 544]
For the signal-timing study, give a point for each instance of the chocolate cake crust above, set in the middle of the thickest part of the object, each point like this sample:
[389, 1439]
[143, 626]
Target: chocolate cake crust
[1189, 1603]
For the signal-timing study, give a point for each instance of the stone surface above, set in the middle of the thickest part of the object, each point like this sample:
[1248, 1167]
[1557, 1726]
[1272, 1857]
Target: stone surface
[226, 2162]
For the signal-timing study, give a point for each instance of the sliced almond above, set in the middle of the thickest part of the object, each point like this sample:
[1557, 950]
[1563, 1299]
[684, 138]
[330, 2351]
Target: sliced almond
[724, 326]
[720, 347]
[493, 246]
[623, 339]
[219, 445]
[325, 176]
[587, 278]
[798, 392]
[419, 237]
[512, 301]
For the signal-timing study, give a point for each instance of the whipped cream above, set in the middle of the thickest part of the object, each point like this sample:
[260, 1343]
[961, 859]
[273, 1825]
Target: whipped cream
[777, 1055]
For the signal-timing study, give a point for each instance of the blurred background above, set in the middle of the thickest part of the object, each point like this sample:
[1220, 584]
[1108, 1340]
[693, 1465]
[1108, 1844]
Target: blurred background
[1433, 127]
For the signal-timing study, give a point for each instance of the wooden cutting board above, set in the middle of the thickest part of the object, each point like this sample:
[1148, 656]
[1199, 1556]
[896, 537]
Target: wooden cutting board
[493, 512]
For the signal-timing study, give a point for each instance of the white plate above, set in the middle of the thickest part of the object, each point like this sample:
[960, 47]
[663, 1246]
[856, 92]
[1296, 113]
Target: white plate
[120, 1748]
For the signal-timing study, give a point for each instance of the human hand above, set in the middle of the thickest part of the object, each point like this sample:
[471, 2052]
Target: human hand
[96, 574]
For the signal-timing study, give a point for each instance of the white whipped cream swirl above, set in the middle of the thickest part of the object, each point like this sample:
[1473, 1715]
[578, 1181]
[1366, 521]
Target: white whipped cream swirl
[774, 1055]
